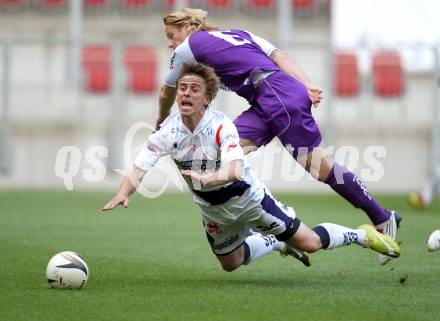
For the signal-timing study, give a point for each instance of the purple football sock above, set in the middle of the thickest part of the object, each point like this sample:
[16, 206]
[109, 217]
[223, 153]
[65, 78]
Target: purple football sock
[350, 187]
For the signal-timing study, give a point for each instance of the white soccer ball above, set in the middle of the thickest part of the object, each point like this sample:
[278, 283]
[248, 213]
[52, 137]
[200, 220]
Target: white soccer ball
[67, 270]
[434, 241]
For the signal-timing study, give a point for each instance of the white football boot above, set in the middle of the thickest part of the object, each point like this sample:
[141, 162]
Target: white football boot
[389, 228]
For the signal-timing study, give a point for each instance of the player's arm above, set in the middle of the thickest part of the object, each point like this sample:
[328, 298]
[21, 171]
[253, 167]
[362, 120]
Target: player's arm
[291, 67]
[232, 157]
[168, 90]
[155, 148]
[129, 184]
[167, 96]
[229, 173]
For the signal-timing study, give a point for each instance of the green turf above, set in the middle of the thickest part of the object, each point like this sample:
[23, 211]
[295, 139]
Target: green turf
[152, 262]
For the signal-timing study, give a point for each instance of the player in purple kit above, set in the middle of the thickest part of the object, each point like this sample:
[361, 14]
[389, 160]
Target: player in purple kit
[280, 97]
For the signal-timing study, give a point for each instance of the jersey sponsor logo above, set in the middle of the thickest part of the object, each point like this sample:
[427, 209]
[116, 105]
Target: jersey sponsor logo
[152, 148]
[224, 87]
[268, 228]
[210, 131]
[226, 243]
[231, 147]
[199, 164]
[214, 228]
[173, 57]
[230, 136]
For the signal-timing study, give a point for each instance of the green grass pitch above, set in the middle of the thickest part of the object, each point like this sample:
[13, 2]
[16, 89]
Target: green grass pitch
[152, 262]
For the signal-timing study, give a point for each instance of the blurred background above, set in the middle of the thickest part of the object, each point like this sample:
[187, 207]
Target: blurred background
[80, 73]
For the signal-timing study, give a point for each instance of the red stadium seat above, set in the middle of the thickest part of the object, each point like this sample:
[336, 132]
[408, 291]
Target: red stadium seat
[11, 2]
[169, 4]
[303, 4]
[387, 73]
[135, 3]
[220, 3]
[346, 74]
[261, 3]
[11, 5]
[136, 7]
[96, 63]
[52, 3]
[95, 3]
[141, 63]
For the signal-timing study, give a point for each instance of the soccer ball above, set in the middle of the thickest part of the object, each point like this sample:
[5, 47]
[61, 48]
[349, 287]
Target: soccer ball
[434, 241]
[67, 270]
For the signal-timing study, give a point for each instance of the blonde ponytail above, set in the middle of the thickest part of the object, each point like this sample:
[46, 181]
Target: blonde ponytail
[195, 18]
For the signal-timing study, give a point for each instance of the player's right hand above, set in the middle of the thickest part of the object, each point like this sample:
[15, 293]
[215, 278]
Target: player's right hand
[115, 201]
[315, 94]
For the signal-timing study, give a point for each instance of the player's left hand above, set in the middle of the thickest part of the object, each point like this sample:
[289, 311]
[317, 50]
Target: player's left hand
[315, 94]
[115, 201]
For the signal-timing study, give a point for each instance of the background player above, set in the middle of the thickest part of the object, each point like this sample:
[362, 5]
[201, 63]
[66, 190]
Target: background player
[280, 97]
[425, 196]
[232, 201]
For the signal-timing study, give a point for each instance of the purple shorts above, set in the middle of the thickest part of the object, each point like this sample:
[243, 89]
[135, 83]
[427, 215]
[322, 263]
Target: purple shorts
[282, 108]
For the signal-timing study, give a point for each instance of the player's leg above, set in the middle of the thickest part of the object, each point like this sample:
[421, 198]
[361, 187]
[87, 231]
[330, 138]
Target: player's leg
[330, 236]
[274, 217]
[424, 198]
[271, 216]
[285, 106]
[253, 247]
[235, 244]
[252, 130]
[344, 182]
[299, 133]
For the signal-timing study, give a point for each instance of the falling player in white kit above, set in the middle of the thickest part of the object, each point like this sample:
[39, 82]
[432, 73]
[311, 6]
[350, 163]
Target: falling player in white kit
[204, 144]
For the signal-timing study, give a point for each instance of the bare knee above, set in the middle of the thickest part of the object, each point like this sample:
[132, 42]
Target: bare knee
[232, 261]
[309, 244]
[312, 245]
[228, 267]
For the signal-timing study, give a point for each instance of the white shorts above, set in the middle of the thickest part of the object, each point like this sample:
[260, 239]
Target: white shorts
[268, 216]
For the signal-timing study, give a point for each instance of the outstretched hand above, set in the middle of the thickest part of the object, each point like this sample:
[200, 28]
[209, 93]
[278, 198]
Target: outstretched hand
[115, 201]
[315, 95]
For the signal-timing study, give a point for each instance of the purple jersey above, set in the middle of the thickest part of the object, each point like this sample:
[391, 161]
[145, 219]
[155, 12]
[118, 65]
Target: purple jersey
[224, 51]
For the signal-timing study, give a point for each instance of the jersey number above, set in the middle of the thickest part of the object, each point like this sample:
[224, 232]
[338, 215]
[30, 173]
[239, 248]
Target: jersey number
[235, 40]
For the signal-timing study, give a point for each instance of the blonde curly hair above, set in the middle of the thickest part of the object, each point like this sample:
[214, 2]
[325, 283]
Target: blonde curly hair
[195, 18]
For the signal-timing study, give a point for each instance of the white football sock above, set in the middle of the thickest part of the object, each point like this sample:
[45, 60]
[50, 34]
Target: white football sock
[342, 236]
[260, 245]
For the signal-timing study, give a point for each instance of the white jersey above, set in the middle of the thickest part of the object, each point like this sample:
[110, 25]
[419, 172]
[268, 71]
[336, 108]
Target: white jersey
[212, 144]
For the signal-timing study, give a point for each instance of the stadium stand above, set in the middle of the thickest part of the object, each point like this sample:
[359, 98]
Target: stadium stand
[97, 6]
[12, 6]
[136, 7]
[387, 73]
[259, 7]
[51, 6]
[96, 64]
[141, 63]
[346, 74]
